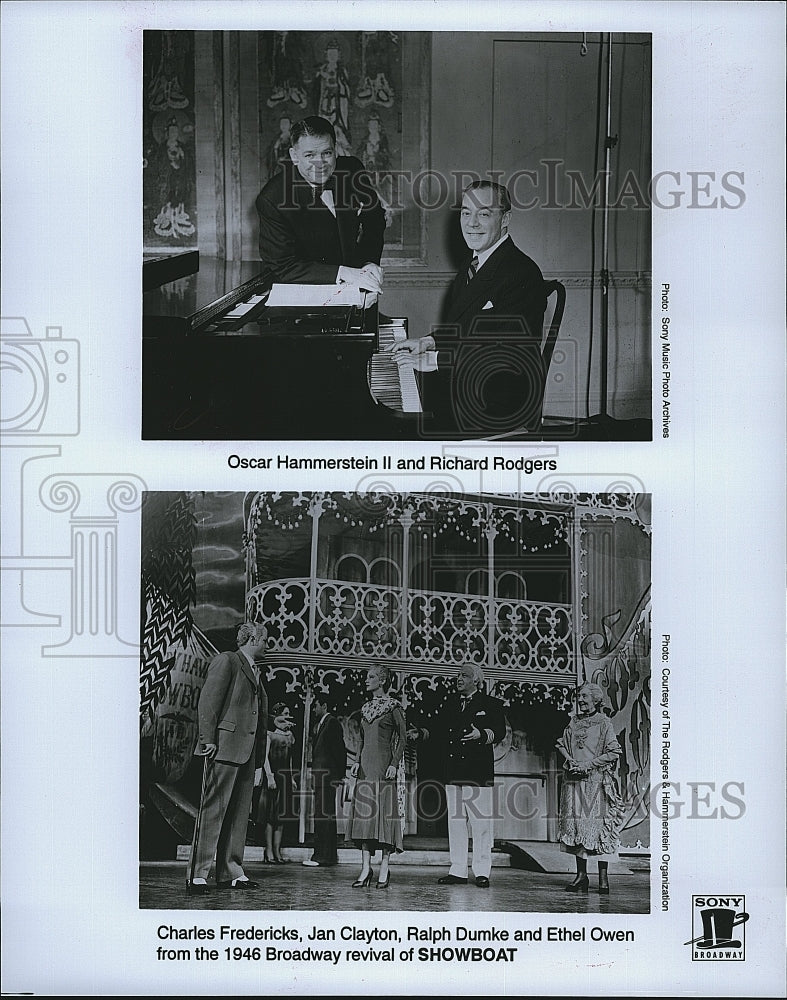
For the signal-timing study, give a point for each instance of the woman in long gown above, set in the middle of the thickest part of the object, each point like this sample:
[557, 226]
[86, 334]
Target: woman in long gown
[591, 811]
[376, 817]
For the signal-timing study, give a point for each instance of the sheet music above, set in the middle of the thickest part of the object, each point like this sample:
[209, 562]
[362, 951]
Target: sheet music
[321, 296]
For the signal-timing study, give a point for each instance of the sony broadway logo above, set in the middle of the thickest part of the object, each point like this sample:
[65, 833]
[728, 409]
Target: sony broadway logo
[718, 926]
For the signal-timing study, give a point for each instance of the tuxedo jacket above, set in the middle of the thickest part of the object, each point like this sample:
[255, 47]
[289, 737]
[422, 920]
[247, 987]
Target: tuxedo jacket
[329, 754]
[233, 710]
[301, 241]
[490, 375]
[472, 763]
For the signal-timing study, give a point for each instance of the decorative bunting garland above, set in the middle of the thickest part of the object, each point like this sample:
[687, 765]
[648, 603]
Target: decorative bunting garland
[434, 514]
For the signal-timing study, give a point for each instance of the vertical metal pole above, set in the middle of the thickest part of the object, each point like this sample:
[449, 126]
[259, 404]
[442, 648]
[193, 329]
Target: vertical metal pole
[608, 141]
[303, 783]
[406, 522]
[490, 531]
[576, 589]
[316, 512]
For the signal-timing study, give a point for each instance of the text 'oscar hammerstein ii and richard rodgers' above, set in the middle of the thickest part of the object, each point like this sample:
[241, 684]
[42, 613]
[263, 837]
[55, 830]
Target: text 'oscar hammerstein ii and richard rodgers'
[329, 945]
[431, 463]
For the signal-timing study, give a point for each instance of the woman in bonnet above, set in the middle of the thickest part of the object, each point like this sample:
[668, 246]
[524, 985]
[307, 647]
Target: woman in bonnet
[591, 811]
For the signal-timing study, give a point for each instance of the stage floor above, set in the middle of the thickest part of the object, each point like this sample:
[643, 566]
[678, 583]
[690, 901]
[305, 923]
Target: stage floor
[413, 887]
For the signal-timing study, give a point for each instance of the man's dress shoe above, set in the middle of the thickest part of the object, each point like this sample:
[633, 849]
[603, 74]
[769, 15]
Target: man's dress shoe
[451, 880]
[482, 882]
[197, 888]
[242, 883]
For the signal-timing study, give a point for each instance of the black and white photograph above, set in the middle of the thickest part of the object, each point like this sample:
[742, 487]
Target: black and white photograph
[478, 667]
[392, 416]
[397, 235]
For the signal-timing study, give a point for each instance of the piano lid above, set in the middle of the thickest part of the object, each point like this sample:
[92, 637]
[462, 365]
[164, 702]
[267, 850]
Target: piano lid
[230, 298]
[160, 268]
[187, 295]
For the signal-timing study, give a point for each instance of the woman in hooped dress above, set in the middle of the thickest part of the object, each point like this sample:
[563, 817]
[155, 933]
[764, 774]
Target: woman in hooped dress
[591, 810]
[376, 816]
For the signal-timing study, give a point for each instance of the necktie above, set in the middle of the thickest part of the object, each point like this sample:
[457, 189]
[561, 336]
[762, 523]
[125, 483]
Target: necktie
[472, 269]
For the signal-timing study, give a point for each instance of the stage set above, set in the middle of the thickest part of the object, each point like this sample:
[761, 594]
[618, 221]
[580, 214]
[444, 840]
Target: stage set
[562, 119]
[542, 591]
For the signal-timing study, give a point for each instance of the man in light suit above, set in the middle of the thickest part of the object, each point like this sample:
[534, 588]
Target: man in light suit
[329, 763]
[233, 719]
[321, 221]
[485, 358]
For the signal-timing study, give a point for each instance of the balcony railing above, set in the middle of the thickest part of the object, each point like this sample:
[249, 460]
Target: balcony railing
[354, 621]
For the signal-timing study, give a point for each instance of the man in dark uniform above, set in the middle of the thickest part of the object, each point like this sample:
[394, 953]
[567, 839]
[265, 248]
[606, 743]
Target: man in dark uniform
[329, 763]
[485, 357]
[321, 221]
[474, 722]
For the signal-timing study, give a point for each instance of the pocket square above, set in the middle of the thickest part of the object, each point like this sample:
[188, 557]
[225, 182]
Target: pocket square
[489, 305]
[479, 714]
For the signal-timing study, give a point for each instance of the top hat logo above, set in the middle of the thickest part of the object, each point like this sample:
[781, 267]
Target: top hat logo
[717, 925]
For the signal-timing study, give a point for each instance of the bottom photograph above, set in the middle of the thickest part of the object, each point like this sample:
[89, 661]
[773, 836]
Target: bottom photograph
[395, 701]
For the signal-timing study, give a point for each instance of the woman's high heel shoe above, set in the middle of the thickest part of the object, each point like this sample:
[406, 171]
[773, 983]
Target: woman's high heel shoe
[363, 883]
[386, 883]
[580, 883]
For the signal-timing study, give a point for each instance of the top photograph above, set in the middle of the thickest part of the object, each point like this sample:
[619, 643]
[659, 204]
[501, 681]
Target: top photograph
[393, 235]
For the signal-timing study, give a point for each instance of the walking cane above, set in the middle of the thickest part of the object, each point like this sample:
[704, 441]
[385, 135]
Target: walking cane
[207, 768]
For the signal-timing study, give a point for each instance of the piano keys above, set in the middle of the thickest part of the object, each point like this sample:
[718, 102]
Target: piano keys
[219, 364]
[390, 384]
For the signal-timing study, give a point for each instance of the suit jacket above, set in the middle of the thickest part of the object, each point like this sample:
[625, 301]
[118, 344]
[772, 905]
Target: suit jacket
[301, 241]
[490, 374]
[233, 710]
[329, 754]
[472, 763]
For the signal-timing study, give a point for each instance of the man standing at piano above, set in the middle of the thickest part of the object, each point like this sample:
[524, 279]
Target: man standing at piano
[485, 357]
[321, 221]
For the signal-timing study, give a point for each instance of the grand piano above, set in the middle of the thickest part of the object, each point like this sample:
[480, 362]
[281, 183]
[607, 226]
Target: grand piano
[219, 363]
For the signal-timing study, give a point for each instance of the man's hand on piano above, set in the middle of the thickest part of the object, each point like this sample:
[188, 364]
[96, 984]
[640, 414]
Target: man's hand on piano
[412, 348]
[419, 354]
[369, 277]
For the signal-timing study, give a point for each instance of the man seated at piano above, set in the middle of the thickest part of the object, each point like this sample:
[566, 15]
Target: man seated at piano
[321, 221]
[485, 357]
